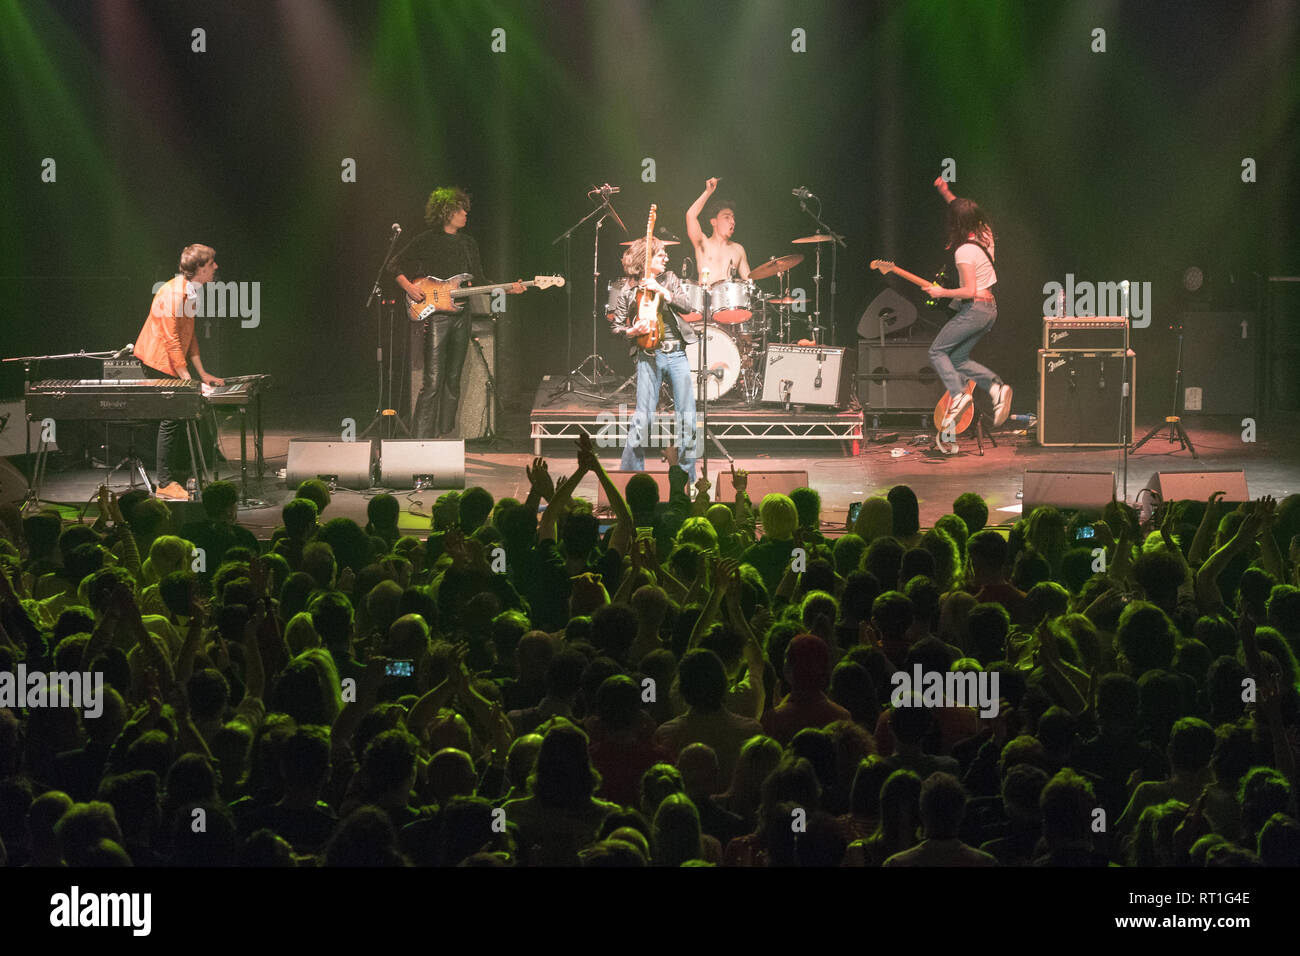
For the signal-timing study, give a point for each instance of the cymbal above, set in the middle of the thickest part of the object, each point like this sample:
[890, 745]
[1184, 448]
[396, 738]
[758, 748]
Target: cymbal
[817, 238]
[788, 300]
[775, 266]
[666, 242]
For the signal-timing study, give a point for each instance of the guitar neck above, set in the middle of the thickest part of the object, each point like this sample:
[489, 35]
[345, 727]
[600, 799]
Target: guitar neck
[476, 289]
[912, 278]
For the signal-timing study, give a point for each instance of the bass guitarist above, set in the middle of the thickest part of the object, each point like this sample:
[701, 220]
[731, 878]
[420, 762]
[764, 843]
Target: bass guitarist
[667, 357]
[442, 251]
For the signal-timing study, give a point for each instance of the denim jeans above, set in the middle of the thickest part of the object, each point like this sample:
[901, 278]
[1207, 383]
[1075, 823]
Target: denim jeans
[950, 351]
[650, 371]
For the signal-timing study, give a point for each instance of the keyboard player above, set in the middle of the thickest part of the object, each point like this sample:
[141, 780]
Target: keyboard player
[167, 345]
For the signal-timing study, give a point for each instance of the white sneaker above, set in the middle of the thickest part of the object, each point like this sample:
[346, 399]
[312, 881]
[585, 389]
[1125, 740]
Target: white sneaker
[955, 408]
[1001, 395]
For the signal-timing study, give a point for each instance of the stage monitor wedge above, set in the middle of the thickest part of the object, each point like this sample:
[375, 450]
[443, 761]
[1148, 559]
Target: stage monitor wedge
[413, 463]
[1068, 490]
[1199, 485]
[346, 463]
[761, 484]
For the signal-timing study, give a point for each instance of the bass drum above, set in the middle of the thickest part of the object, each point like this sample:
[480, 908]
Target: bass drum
[724, 364]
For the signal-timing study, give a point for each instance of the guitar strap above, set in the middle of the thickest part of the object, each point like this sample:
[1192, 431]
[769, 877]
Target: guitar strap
[987, 255]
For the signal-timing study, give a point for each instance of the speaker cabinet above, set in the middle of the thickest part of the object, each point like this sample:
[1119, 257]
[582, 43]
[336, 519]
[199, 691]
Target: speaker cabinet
[471, 415]
[761, 483]
[1079, 398]
[897, 378]
[1068, 490]
[346, 462]
[1199, 485]
[808, 375]
[1220, 358]
[422, 464]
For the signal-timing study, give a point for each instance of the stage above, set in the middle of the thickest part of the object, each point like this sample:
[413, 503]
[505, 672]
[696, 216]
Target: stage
[1271, 465]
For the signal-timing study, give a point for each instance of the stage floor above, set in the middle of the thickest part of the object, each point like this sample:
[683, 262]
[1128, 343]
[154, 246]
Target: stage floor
[1271, 465]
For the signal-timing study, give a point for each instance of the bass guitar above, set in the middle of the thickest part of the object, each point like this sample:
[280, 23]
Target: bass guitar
[440, 295]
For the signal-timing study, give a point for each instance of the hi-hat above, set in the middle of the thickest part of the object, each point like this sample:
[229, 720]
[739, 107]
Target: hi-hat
[817, 238]
[775, 266]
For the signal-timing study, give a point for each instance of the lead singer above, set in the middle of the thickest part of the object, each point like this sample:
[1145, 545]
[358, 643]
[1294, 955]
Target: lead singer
[668, 358]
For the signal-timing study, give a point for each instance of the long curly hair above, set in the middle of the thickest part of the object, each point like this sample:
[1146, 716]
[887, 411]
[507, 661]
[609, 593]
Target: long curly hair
[443, 203]
[634, 256]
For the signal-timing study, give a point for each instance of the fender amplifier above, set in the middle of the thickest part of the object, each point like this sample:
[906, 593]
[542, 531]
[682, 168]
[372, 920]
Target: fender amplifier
[1083, 332]
[1079, 397]
[806, 375]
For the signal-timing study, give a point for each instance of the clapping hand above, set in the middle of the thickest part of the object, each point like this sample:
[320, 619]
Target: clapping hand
[539, 477]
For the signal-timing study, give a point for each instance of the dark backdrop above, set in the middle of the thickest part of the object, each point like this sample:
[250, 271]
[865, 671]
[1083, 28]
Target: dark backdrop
[1122, 164]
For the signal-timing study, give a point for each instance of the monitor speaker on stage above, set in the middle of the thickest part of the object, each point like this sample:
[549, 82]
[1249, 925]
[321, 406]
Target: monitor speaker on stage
[1199, 485]
[1068, 490]
[347, 463]
[422, 464]
[761, 483]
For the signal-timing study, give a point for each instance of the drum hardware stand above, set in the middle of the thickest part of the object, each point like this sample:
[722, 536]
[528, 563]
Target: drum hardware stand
[1177, 433]
[387, 420]
[817, 278]
[606, 208]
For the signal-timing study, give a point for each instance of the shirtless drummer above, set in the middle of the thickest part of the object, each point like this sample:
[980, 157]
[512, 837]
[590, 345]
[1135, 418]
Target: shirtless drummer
[716, 255]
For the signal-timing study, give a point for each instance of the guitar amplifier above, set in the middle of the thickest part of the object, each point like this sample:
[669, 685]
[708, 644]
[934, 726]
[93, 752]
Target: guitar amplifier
[1075, 332]
[1079, 397]
[119, 369]
[897, 377]
[806, 375]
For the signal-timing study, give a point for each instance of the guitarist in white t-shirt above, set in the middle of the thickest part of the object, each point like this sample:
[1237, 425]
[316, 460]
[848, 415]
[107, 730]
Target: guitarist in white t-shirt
[971, 239]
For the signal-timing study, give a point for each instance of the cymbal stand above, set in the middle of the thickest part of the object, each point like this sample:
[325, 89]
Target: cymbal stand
[817, 279]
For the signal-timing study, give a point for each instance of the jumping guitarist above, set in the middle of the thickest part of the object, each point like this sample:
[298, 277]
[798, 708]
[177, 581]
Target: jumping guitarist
[971, 239]
[660, 320]
[442, 251]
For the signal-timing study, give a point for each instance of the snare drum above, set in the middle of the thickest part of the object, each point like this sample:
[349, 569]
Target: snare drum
[732, 301]
[724, 364]
[695, 293]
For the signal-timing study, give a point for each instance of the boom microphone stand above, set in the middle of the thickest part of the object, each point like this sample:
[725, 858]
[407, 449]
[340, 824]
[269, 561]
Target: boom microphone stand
[383, 404]
[817, 278]
[605, 208]
[1177, 433]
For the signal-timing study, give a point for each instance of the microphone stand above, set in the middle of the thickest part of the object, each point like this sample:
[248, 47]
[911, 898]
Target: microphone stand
[817, 279]
[565, 387]
[382, 402]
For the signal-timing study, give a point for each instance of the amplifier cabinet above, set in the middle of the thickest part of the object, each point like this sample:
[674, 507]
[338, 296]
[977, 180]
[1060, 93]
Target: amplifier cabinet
[807, 375]
[1079, 397]
[1074, 332]
[897, 377]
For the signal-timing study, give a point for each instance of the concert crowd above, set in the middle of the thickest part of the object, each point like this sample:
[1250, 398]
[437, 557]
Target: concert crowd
[702, 683]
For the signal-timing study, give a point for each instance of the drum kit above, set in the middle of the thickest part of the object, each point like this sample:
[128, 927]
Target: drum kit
[745, 320]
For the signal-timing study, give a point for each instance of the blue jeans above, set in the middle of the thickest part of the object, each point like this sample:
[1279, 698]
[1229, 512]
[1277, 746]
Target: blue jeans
[650, 371]
[950, 351]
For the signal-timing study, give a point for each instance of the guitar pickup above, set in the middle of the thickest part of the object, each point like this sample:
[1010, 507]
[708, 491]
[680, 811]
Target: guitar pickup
[427, 311]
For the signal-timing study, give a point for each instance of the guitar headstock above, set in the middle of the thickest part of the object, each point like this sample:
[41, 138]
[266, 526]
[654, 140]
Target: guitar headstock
[883, 266]
[650, 223]
[548, 282]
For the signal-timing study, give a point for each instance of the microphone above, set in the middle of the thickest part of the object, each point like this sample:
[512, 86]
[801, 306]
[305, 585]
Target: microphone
[802, 193]
[397, 230]
[127, 349]
[817, 382]
[608, 190]
[663, 233]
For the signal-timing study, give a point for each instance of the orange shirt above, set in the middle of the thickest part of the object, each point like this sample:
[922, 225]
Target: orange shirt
[167, 340]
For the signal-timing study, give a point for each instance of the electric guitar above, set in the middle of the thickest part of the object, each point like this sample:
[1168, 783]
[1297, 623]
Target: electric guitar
[885, 267]
[647, 302]
[440, 295]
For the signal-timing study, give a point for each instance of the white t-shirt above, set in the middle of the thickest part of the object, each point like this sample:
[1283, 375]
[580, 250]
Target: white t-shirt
[973, 255]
